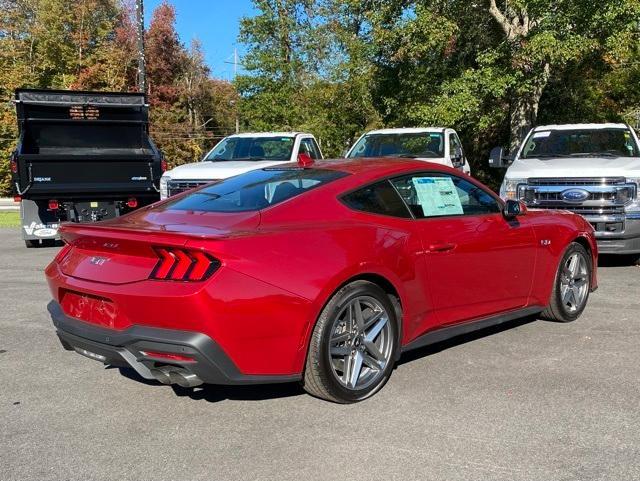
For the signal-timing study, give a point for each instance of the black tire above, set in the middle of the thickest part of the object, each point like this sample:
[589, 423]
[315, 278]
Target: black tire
[31, 244]
[320, 379]
[557, 310]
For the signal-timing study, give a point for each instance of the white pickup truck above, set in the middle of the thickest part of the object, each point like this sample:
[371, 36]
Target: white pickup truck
[432, 144]
[589, 169]
[238, 154]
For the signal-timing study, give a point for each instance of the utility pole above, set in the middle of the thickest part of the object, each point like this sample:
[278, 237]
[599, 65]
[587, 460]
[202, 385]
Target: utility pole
[142, 76]
[235, 75]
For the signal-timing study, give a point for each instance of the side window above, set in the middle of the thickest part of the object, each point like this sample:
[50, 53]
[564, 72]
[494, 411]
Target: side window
[436, 194]
[380, 198]
[307, 146]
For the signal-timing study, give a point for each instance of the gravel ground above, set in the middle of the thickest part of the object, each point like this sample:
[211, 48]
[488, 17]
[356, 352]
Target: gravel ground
[530, 401]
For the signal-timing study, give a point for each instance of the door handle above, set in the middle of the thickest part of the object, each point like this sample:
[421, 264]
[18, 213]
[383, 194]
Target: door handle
[444, 247]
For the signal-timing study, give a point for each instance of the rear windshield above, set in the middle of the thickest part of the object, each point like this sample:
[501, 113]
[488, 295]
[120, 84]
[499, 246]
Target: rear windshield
[255, 190]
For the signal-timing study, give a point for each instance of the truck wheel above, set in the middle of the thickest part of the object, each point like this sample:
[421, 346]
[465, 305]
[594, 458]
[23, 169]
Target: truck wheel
[30, 244]
[571, 286]
[353, 346]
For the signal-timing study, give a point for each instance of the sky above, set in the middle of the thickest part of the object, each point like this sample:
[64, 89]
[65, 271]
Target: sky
[215, 23]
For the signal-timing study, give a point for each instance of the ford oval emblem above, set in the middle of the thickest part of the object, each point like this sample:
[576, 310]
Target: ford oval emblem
[575, 195]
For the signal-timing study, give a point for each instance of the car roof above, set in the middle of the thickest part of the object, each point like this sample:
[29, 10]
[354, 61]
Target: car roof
[407, 130]
[379, 166]
[581, 126]
[269, 134]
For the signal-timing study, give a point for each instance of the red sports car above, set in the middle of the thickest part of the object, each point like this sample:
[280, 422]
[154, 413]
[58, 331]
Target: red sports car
[321, 273]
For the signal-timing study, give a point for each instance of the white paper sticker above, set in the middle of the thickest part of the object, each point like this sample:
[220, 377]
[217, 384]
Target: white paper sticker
[437, 196]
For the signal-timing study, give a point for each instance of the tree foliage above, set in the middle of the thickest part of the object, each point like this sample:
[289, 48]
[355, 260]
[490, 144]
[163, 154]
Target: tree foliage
[491, 68]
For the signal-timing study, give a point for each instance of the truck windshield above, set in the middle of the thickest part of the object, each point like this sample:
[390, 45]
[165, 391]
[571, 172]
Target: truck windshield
[252, 148]
[547, 144]
[412, 145]
[255, 190]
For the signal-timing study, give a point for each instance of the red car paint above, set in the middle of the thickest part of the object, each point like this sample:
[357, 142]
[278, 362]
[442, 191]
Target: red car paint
[280, 265]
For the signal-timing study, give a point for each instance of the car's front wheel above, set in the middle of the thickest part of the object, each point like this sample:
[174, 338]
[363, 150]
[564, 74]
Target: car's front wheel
[353, 346]
[571, 287]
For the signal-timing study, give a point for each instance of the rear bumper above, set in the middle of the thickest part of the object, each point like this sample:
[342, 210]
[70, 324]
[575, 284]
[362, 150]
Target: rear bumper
[124, 348]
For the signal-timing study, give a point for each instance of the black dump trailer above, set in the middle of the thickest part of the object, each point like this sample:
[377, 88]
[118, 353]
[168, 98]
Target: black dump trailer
[81, 157]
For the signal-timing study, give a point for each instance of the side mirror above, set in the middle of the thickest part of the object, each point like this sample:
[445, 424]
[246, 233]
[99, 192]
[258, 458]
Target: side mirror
[498, 159]
[457, 160]
[514, 208]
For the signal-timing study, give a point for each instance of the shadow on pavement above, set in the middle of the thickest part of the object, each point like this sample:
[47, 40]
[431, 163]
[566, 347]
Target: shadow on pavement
[611, 260]
[215, 393]
[463, 339]
[258, 392]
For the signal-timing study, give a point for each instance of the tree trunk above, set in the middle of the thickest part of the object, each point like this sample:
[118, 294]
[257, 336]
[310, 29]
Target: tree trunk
[524, 110]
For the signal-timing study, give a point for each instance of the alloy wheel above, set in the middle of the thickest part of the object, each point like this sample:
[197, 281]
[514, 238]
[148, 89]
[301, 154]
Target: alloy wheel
[361, 343]
[574, 282]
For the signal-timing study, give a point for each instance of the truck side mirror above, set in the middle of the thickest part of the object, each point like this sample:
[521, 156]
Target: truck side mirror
[498, 159]
[457, 159]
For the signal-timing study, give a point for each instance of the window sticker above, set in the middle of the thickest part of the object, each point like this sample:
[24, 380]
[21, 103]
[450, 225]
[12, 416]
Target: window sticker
[539, 135]
[437, 196]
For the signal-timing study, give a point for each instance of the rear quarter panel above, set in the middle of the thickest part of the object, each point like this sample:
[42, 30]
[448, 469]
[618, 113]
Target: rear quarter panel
[302, 251]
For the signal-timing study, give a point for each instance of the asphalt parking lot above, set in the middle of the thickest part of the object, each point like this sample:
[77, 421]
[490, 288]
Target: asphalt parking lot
[533, 401]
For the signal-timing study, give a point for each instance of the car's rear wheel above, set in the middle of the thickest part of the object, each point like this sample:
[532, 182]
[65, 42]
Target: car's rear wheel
[353, 345]
[572, 285]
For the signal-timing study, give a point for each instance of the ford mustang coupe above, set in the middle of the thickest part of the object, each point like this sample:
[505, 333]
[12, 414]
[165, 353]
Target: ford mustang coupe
[322, 273]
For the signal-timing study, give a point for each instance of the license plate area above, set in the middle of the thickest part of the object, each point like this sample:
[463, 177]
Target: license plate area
[97, 310]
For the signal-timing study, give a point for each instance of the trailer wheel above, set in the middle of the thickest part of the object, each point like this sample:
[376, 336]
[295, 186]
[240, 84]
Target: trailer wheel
[32, 243]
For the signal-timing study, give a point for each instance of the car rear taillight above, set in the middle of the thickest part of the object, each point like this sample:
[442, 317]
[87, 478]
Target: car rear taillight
[53, 205]
[17, 198]
[62, 253]
[132, 203]
[177, 264]
[163, 165]
[14, 166]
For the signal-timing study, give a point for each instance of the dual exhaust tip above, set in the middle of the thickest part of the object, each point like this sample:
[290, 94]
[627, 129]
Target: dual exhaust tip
[176, 375]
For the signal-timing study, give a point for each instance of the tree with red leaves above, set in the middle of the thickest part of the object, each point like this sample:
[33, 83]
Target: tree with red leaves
[165, 56]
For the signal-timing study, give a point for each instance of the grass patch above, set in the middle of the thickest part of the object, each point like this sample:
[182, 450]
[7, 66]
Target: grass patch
[9, 218]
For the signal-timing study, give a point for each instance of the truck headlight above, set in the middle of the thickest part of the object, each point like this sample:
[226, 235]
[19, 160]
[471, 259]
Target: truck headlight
[633, 209]
[164, 186]
[509, 188]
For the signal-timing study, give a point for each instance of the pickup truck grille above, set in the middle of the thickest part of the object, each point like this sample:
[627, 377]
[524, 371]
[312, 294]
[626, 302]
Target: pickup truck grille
[578, 181]
[594, 198]
[177, 186]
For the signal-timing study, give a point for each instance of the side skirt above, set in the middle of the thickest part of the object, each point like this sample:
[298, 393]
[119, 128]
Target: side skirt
[444, 333]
